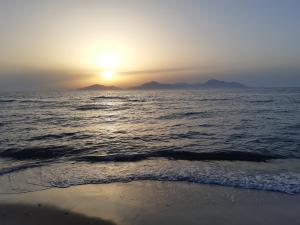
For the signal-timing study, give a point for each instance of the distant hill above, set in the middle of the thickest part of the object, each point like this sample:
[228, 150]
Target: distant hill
[153, 85]
[99, 87]
[213, 83]
[208, 84]
[157, 85]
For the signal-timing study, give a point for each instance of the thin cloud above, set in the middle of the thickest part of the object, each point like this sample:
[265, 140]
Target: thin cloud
[164, 70]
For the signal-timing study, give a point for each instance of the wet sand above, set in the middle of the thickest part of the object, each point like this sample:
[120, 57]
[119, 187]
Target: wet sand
[149, 203]
[17, 214]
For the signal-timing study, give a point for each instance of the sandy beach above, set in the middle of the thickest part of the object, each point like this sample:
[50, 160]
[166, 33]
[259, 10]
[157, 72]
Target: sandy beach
[138, 203]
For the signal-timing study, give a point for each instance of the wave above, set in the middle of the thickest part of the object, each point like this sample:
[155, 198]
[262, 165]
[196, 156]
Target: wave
[7, 100]
[261, 101]
[184, 155]
[192, 135]
[119, 98]
[214, 99]
[39, 101]
[282, 183]
[235, 174]
[239, 175]
[184, 115]
[294, 126]
[137, 100]
[102, 107]
[48, 152]
[109, 97]
[52, 136]
[54, 152]
[91, 107]
[18, 168]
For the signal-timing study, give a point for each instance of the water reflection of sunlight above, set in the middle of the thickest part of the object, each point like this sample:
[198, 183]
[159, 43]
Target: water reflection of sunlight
[108, 118]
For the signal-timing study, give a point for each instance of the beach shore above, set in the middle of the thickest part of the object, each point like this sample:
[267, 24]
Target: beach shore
[149, 203]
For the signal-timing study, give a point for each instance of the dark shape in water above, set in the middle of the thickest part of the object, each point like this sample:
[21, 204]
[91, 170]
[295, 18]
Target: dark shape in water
[108, 97]
[49, 152]
[7, 100]
[91, 107]
[184, 155]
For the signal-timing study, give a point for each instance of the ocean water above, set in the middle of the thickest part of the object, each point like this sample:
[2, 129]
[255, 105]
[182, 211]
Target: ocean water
[244, 138]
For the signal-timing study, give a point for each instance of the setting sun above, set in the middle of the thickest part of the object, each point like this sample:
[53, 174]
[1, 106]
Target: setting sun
[108, 64]
[108, 74]
[108, 61]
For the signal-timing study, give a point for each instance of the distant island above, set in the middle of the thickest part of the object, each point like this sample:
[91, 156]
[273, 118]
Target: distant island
[213, 83]
[99, 87]
[154, 85]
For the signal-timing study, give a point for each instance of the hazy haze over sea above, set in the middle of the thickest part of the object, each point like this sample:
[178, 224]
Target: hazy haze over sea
[246, 138]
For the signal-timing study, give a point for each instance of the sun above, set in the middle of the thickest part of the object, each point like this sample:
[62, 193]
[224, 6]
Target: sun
[107, 74]
[108, 61]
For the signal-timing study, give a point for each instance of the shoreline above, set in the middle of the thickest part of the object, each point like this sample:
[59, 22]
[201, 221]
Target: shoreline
[150, 202]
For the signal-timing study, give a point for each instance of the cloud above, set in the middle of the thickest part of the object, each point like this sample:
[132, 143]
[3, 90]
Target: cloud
[157, 71]
[175, 70]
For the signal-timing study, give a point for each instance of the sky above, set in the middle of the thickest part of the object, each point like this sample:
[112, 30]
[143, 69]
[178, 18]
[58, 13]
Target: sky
[71, 43]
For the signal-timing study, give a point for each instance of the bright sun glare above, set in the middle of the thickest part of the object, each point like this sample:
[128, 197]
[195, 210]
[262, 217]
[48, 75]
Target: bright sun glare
[108, 64]
[107, 74]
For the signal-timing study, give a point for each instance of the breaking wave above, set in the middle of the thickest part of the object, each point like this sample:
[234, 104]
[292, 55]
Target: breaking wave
[52, 152]
[184, 155]
[46, 152]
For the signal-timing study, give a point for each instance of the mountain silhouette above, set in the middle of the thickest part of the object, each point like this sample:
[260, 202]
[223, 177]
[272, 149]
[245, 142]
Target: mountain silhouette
[99, 87]
[154, 85]
[157, 85]
[213, 83]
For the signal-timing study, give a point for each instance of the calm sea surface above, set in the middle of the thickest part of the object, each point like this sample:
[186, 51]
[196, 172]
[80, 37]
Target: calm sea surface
[242, 138]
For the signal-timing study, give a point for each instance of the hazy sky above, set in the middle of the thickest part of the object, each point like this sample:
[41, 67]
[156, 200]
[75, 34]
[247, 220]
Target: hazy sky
[61, 42]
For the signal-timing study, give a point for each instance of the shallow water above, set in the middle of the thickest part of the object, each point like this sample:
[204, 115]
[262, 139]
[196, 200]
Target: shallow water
[246, 138]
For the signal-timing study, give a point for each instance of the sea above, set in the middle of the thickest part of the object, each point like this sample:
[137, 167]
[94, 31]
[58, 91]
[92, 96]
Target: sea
[242, 138]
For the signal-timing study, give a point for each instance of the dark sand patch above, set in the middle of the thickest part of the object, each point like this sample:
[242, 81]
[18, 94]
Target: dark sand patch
[39, 214]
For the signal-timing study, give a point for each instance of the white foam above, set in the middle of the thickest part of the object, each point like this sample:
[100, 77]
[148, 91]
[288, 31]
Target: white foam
[273, 176]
